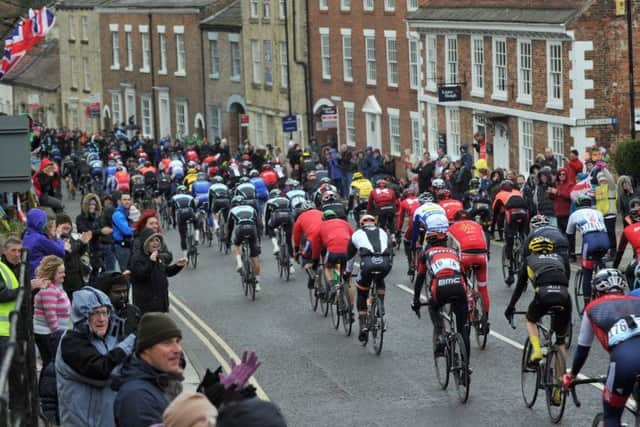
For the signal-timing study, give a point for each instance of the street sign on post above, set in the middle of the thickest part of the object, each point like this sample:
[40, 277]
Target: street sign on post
[606, 121]
[290, 124]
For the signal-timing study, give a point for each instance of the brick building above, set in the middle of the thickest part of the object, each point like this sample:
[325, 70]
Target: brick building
[365, 66]
[224, 74]
[152, 64]
[529, 75]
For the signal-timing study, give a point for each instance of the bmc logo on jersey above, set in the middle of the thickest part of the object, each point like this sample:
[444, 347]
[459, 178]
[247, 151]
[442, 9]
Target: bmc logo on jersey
[449, 281]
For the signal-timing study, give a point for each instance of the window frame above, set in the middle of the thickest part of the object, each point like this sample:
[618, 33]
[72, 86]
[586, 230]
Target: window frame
[347, 60]
[523, 97]
[185, 104]
[323, 5]
[451, 59]
[477, 66]
[432, 62]
[144, 35]
[284, 64]
[256, 61]
[236, 57]
[84, 28]
[116, 111]
[282, 9]
[128, 41]
[453, 129]
[162, 43]
[146, 99]
[395, 143]
[72, 28]
[525, 154]
[349, 123]
[267, 65]
[368, 5]
[181, 64]
[86, 74]
[215, 110]
[412, 5]
[389, 5]
[254, 10]
[553, 140]
[266, 9]
[416, 133]
[552, 101]
[115, 47]
[74, 72]
[432, 126]
[414, 61]
[214, 57]
[500, 94]
[392, 75]
[325, 53]
[345, 5]
[371, 70]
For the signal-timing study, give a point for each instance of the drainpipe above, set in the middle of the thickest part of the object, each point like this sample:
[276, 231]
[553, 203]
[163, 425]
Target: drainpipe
[632, 92]
[204, 93]
[154, 107]
[305, 67]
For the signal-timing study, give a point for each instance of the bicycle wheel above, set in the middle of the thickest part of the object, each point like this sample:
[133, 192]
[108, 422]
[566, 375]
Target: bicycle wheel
[336, 310]
[286, 259]
[598, 420]
[251, 279]
[554, 369]
[505, 264]
[442, 365]
[578, 295]
[313, 296]
[376, 329]
[529, 377]
[480, 321]
[324, 300]
[460, 368]
[347, 315]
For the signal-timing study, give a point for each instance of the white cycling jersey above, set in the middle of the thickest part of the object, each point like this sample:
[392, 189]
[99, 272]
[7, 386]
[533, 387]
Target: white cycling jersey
[586, 220]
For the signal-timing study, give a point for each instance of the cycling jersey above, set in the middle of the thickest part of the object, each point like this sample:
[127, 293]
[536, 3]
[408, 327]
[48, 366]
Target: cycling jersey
[468, 236]
[362, 188]
[307, 224]
[96, 167]
[244, 224]
[382, 201]
[371, 243]
[246, 190]
[334, 236]
[182, 201]
[296, 198]
[451, 208]
[277, 212]
[183, 212]
[177, 173]
[407, 207]
[110, 171]
[261, 188]
[560, 243]
[586, 220]
[606, 318]
[123, 180]
[175, 164]
[269, 177]
[200, 190]
[190, 179]
[445, 272]
[631, 234]
[421, 217]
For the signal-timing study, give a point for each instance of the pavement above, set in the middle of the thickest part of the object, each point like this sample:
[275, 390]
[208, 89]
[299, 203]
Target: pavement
[319, 377]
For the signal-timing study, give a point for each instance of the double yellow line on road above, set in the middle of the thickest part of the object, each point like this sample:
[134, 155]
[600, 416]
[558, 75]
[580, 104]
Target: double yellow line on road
[183, 312]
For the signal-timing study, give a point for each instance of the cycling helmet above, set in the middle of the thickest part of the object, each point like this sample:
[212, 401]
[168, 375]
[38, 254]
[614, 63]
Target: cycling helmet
[253, 173]
[274, 193]
[436, 238]
[201, 176]
[381, 183]
[325, 180]
[506, 185]
[293, 183]
[634, 213]
[244, 180]
[410, 192]
[356, 175]
[329, 214]
[584, 201]
[181, 189]
[541, 245]
[266, 167]
[474, 183]
[218, 180]
[306, 205]
[237, 201]
[538, 221]
[191, 165]
[329, 196]
[425, 198]
[461, 215]
[438, 183]
[609, 280]
[443, 193]
[367, 219]
[634, 202]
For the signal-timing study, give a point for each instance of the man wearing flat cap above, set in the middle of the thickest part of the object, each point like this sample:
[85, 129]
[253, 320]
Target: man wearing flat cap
[142, 382]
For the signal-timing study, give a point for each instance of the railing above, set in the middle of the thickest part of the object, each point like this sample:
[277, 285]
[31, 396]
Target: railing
[18, 379]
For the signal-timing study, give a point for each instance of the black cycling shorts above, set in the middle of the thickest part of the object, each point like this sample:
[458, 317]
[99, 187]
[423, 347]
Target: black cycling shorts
[548, 296]
[220, 204]
[247, 232]
[279, 218]
[373, 267]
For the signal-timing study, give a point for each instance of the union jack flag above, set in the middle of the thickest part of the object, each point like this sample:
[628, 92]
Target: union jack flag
[29, 32]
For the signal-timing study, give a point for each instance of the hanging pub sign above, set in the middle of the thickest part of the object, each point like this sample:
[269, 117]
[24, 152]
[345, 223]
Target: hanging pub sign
[449, 93]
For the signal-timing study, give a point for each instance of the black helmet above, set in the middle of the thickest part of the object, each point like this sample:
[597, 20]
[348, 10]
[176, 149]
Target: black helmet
[506, 185]
[244, 180]
[329, 214]
[584, 201]
[274, 193]
[237, 201]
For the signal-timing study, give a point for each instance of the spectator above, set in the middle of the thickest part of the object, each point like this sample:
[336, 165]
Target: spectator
[376, 163]
[521, 181]
[122, 231]
[250, 413]
[425, 170]
[85, 361]
[442, 161]
[461, 179]
[574, 165]
[75, 249]
[148, 219]
[465, 157]
[562, 199]
[625, 194]
[543, 196]
[347, 167]
[101, 243]
[389, 165]
[605, 194]
[190, 409]
[51, 306]
[364, 165]
[40, 239]
[335, 172]
[528, 191]
[47, 185]
[549, 160]
[141, 383]
[12, 254]
[150, 270]
[497, 176]
[126, 316]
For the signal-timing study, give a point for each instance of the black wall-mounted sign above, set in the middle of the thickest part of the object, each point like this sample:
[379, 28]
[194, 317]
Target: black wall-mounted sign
[449, 93]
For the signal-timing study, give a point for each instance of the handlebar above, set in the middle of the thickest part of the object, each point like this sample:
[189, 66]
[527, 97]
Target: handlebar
[572, 387]
[519, 313]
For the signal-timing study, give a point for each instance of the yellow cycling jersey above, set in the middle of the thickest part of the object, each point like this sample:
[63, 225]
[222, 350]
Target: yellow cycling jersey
[363, 186]
[190, 179]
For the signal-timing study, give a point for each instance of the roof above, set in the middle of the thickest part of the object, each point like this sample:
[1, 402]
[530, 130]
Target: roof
[493, 12]
[230, 16]
[39, 69]
[80, 4]
[149, 4]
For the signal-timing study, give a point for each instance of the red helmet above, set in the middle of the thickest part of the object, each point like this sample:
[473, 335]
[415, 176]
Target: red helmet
[191, 155]
[143, 155]
[266, 167]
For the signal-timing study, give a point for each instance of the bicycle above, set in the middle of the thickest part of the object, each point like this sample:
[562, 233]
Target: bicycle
[516, 262]
[477, 317]
[341, 307]
[577, 288]
[455, 355]
[203, 219]
[547, 374]
[247, 274]
[163, 209]
[598, 419]
[222, 244]
[192, 248]
[283, 257]
[375, 316]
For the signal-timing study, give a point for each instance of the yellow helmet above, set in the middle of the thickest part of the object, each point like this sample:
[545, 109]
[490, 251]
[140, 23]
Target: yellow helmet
[541, 245]
[357, 175]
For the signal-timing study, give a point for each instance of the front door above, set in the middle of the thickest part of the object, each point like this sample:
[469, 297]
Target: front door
[373, 131]
[501, 147]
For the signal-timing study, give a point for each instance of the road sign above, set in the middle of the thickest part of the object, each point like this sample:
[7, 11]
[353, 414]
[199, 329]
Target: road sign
[329, 117]
[244, 120]
[606, 121]
[290, 124]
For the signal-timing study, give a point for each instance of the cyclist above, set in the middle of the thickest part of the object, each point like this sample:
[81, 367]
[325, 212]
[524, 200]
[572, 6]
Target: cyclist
[269, 177]
[631, 234]
[277, 213]
[176, 169]
[297, 197]
[510, 208]
[468, 239]
[540, 226]
[613, 319]
[247, 190]
[244, 223]
[361, 188]
[331, 201]
[262, 192]
[138, 190]
[322, 189]
[450, 206]
[69, 172]
[122, 176]
[407, 207]
[595, 240]
[183, 211]
[428, 217]
[333, 240]
[372, 244]
[447, 283]
[200, 191]
[382, 203]
[545, 269]
[279, 171]
[219, 200]
[192, 175]
[308, 225]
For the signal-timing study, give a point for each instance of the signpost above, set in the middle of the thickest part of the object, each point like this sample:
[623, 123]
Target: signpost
[449, 93]
[290, 124]
[606, 121]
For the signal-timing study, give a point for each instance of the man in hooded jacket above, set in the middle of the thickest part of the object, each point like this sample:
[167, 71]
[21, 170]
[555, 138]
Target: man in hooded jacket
[38, 242]
[86, 357]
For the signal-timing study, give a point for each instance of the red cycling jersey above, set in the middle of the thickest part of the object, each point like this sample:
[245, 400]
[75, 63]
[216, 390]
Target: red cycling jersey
[123, 180]
[379, 198]
[468, 236]
[445, 269]
[451, 208]
[407, 207]
[269, 177]
[334, 235]
[605, 314]
[165, 164]
[308, 223]
[631, 235]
